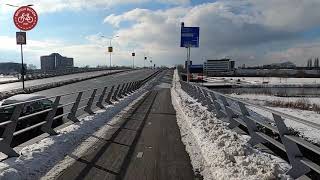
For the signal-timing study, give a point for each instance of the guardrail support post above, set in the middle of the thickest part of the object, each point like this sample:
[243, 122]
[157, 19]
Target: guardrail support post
[101, 98]
[233, 124]
[293, 152]
[217, 106]
[8, 133]
[203, 97]
[74, 109]
[125, 91]
[121, 91]
[134, 86]
[251, 126]
[115, 95]
[129, 91]
[130, 88]
[90, 102]
[49, 119]
[108, 100]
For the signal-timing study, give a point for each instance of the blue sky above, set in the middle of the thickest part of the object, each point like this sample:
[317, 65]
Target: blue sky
[249, 31]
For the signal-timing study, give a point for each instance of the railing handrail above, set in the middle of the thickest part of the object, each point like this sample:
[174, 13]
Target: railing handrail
[301, 161]
[296, 119]
[10, 125]
[50, 97]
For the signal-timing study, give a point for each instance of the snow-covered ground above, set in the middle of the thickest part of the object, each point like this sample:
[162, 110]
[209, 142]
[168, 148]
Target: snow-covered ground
[38, 159]
[310, 133]
[262, 98]
[7, 78]
[262, 81]
[216, 151]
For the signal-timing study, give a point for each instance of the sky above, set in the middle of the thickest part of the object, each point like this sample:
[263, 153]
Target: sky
[251, 32]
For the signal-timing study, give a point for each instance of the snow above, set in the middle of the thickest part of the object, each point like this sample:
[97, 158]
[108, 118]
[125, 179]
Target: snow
[217, 152]
[309, 133]
[265, 81]
[38, 159]
[7, 78]
[262, 98]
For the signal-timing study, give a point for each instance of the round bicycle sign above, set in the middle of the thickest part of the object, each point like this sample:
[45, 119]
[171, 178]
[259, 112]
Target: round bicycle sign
[25, 18]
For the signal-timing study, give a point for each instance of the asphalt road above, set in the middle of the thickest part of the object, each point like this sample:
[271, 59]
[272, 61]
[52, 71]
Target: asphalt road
[99, 83]
[18, 85]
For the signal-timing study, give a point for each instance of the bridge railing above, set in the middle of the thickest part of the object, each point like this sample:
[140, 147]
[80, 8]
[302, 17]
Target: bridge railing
[261, 129]
[75, 104]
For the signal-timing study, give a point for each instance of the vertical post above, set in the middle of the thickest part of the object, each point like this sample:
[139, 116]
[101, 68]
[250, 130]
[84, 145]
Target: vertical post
[110, 60]
[188, 64]
[114, 97]
[230, 113]
[251, 125]
[73, 112]
[125, 90]
[217, 106]
[22, 67]
[90, 101]
[131, 87]
[50, 117]
[110, 53]
[293, 152]
[8, 133]
[99, 103]
[121, 90]
[108, 100]
[10, 128]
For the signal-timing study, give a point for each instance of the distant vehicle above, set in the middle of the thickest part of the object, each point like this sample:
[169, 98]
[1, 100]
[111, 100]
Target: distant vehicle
[29, 108]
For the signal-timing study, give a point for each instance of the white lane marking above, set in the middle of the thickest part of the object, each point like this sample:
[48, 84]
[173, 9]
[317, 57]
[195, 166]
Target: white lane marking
[140, 154]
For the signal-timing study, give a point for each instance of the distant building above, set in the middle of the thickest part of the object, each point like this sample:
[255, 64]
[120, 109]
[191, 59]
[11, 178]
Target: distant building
[10, 67]
[55, 62]
[220, 65]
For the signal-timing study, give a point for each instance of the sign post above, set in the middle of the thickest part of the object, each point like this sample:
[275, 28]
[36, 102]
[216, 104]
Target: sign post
[25, 18]
[110, 50]
[144, 62]
[133, 55]
[189, 39]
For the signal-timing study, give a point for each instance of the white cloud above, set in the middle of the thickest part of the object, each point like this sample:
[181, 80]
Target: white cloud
[243, 29]
[250, 31]
[49, 6]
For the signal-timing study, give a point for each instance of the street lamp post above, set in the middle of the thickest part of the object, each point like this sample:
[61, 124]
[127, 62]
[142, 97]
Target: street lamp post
[110, 48]
[23, 69]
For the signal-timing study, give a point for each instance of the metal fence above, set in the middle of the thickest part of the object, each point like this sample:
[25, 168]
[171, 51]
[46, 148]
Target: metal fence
[302, 155]
[80, 104]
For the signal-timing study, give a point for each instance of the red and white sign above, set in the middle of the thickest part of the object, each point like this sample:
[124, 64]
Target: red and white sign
[25, 18]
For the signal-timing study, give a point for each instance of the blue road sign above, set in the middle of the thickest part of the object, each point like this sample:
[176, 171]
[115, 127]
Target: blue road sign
[190, 36]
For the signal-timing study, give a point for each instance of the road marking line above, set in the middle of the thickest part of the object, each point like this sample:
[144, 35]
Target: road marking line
[140, 154]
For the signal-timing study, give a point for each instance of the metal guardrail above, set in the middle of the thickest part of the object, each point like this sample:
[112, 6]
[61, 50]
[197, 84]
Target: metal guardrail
[237, 113]
[115, 93]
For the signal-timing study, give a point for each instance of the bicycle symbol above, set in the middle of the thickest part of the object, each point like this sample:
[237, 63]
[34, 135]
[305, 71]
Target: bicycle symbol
[25, 17]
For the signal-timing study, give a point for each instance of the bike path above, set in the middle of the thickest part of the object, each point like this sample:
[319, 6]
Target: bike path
[145, 144]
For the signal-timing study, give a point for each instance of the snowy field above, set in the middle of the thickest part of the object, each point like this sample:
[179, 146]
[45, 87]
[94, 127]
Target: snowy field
[7, 78]
[51, 155]
[261, 99]
[307, 132]
[217, 152]
[262, 81]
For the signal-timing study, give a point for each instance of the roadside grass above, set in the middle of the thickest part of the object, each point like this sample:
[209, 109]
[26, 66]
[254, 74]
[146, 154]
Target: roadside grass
[302, 103]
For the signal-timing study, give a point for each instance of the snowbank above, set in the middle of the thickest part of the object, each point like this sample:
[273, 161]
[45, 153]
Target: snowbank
[216, 151]
[37, 159]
